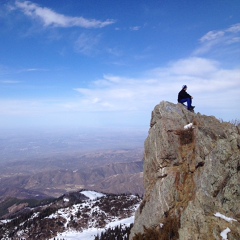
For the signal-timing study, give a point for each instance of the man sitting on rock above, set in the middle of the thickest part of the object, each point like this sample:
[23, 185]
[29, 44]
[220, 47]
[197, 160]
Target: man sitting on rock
[183, 97]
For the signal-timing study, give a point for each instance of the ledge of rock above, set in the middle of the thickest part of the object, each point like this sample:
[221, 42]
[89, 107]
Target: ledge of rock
[191, 177]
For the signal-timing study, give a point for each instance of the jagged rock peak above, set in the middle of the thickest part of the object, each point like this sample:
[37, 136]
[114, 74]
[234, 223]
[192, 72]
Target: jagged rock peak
[191, 177]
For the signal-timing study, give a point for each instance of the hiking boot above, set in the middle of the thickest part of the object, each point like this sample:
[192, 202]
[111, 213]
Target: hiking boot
[191, 108]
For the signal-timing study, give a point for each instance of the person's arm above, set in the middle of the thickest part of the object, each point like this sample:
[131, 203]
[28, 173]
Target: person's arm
[188, 95]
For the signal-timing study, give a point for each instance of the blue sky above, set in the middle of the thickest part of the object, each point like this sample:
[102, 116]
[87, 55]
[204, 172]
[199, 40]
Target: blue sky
[85, 63]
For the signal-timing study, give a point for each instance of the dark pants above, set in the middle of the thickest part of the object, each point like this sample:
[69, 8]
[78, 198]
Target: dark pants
[189, 102]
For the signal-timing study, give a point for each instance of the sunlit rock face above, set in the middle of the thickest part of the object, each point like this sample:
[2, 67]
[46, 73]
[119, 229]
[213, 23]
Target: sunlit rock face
[191, 173]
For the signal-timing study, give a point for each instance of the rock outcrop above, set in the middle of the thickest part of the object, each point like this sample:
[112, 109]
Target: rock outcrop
[191, 177]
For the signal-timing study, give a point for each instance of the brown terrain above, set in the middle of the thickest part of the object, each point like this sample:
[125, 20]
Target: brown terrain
[112, 171]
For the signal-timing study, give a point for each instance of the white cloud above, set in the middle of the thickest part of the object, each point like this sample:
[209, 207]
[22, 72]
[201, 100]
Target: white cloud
[213, 88]
[234, 29]
[218, 38]
[51, 18]
[194, 66]
[216, 91]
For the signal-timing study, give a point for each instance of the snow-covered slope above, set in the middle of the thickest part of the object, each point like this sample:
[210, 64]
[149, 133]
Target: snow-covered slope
[80, 215]
[91, 233]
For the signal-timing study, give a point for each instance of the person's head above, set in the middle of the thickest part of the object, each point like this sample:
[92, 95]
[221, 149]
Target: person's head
[184, 87]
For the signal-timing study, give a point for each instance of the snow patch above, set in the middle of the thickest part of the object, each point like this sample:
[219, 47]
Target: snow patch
[125, 221]
[224, 217]
[6, 221]
[188, 126]
[224, 233]
[92, 194]
[90, 233]
[66, 200]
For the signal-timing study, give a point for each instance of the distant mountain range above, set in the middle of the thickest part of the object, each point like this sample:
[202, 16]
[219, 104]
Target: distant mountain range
[42, 188]
[101, 173]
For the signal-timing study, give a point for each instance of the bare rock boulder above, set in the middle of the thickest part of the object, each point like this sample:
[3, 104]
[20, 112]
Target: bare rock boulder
[191, 177]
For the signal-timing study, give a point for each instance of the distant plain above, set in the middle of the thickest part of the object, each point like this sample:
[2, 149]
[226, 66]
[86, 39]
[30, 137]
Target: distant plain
[41, 163]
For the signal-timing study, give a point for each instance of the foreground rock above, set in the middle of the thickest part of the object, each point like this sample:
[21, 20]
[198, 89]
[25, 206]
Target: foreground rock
[191, 177]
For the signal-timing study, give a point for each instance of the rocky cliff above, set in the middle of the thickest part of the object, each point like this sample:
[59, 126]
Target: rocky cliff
[191, 177]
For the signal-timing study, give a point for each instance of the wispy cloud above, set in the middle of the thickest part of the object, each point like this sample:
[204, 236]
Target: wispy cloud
[33, 70]
[212, 35]
[115, 51]
[51, 18]
[86, 43]
[135, 28]
[132, 28]
[27, 108]
[9, 81]
[218, 38]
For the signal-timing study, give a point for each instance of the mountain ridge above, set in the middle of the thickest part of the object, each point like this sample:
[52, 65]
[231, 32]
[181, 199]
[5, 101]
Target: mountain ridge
[99, 175]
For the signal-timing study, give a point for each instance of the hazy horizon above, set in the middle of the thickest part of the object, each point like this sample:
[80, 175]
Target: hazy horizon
[101, 64]
[18, 145]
